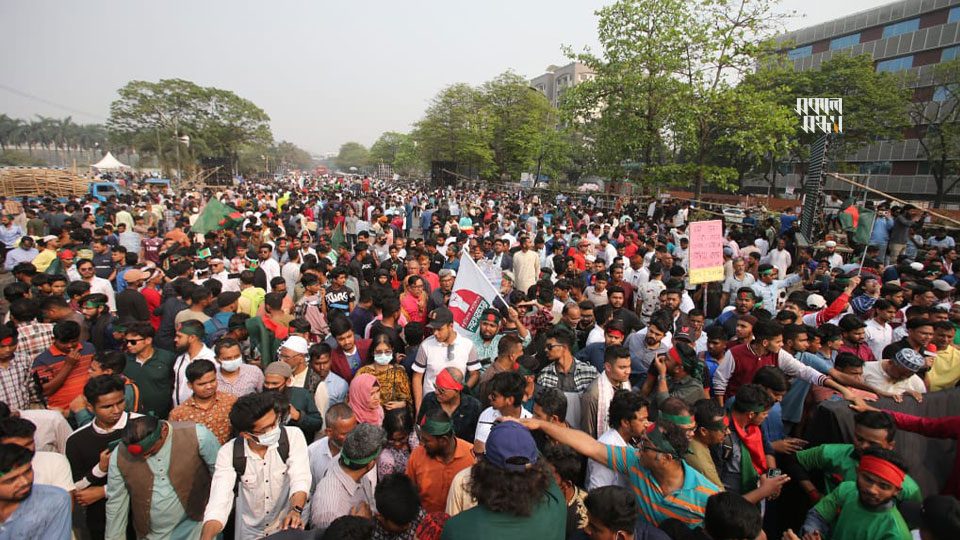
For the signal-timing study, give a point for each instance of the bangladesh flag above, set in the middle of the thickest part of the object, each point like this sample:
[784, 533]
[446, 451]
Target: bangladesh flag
[216, 216]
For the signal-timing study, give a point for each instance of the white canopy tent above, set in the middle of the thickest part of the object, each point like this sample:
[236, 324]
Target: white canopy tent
[109, 163]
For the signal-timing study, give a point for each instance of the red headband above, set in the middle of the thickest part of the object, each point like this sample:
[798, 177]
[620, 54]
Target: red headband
[675, 355]
[882, 469]
[615, 333]
[7, 340]
[447, 382]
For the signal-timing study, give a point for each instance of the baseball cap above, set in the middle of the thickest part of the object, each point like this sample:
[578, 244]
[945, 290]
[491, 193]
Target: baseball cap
[816, 301]
[511, 447]
[684, 333]
[942, 285]
[909, 359]
[440, 317]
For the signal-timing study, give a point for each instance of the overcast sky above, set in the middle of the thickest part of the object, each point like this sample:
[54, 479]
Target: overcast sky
[326, 72]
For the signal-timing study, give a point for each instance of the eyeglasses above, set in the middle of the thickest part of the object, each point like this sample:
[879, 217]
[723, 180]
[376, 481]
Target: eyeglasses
[550, 346]
[133, 341]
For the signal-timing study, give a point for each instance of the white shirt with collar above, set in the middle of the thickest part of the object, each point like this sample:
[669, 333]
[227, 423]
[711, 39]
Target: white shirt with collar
[263, 498]
[598, 475]
[181, 391]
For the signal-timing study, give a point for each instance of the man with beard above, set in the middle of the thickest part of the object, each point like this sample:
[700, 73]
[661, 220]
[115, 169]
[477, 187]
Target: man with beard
[670, 304]
[854, 338]
[644, 347]
[863, 509]
[487, 339]
[440, 456]
[189, 345]
[441, 295]
[268, 266]
[28, 510]
[449, 396]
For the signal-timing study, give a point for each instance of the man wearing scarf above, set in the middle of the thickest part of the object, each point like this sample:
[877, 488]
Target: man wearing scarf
[595, 400]
[864, 509]
[750, 454]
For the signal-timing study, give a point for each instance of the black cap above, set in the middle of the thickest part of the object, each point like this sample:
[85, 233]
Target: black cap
[227, 298]
[440, 317]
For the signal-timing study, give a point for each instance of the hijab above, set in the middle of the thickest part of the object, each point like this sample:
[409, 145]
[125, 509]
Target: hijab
[359, 399]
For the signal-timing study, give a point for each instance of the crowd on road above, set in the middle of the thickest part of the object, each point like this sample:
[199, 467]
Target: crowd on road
[293, 367]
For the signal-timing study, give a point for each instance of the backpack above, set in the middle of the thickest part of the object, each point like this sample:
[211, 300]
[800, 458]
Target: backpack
[240, 459]
[219, 330]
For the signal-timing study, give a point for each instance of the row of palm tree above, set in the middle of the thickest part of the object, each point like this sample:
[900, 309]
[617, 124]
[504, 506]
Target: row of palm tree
[51, 134]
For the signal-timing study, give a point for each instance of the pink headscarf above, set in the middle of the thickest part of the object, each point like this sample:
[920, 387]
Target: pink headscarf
[359, 398]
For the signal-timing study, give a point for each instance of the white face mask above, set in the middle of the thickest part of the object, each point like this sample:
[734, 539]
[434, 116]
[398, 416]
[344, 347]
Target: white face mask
[383, 359]
[231, 365]
[270, 438]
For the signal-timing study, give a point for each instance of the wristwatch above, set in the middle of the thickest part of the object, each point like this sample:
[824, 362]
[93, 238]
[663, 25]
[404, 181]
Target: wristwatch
[298, 509]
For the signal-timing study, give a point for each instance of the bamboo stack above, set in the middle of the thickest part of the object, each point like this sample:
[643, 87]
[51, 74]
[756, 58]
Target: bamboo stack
[26, 182]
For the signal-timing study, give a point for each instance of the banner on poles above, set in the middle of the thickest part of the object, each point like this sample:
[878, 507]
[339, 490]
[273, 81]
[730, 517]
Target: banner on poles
[706, 251]
[472, 293]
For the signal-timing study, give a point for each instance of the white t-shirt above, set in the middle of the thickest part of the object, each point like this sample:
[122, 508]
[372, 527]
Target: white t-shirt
[878, 337]
[433, 357]
[599, 475]
[874, 375]
[488, 417]
[52, 469]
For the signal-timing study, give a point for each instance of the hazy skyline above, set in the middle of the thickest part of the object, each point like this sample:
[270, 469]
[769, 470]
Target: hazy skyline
[325, 73]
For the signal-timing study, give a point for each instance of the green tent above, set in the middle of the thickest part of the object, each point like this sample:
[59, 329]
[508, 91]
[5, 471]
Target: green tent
[216, 216]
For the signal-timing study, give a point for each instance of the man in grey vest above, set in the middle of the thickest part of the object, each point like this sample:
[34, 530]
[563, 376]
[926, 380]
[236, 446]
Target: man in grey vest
[165, 497]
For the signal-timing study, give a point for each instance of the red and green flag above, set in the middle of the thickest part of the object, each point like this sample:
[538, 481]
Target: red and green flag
[216, 216]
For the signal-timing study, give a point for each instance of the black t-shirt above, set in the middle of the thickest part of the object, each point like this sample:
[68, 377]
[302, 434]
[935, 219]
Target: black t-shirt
[339, 298]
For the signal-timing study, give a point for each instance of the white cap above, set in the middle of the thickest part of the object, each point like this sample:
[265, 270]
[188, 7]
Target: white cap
[816, 301]
[296, 344]
[942, 285]
[830, 243]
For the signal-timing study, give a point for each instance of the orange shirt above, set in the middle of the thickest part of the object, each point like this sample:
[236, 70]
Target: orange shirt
[51, 361]
[433, 477]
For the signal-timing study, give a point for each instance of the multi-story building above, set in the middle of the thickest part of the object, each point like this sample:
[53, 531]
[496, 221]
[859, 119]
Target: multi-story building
[556, 80]
[907, 36]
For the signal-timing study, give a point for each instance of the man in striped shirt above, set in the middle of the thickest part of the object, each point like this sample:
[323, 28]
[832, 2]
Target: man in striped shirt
[665, 486]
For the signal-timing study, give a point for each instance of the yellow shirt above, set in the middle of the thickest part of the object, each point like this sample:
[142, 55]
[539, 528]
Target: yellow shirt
[44, 259]
[945, 371]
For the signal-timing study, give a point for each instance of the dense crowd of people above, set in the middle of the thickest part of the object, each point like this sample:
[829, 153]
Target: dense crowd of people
[297, 369]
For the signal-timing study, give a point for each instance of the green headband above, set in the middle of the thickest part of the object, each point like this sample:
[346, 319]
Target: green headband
[743, 407]
[678, 419]
[359, 461]
[146, 442]
[191, 330]
[767, 271]
[660, 442]
[437, 428]
[94, 304]
[714, 426]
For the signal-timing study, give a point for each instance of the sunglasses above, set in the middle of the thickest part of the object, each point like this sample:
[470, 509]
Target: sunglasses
[133, 341]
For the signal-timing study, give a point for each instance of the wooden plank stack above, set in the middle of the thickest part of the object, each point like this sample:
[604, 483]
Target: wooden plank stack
[32, 182]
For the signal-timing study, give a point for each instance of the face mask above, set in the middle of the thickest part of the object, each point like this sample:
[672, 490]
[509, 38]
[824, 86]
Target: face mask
[383, 359]
[270, 438]
[231, 365]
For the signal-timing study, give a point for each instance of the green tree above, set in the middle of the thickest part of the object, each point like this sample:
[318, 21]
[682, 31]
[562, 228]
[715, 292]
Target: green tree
[937, 125]
[664, 97]
[455, 128]
[352, 154]
[153, 116]
[398, 150]
[875, 104]
[522, 125]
